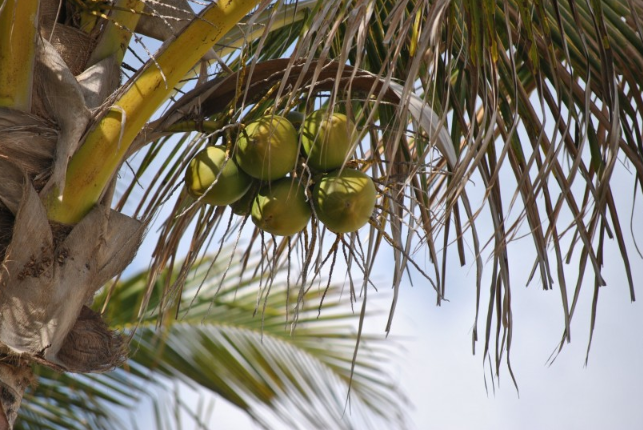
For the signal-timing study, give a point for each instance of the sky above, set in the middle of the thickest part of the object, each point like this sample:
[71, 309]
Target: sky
[446, 383]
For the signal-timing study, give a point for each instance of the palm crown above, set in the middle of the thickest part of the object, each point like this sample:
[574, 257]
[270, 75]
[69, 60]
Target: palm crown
[443, 93]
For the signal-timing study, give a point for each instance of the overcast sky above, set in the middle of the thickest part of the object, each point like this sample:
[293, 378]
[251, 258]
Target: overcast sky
[446, 382]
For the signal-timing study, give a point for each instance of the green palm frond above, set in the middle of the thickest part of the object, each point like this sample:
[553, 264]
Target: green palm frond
[74, 401]
[232, 339]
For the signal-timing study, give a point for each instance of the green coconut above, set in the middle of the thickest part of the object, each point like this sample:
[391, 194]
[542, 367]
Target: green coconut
[281, 208]
[210, 167]
[267, 148]
[327, 140]
[344, 201]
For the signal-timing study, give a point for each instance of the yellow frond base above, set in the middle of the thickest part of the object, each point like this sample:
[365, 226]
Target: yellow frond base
[18, 31]
[116, 37]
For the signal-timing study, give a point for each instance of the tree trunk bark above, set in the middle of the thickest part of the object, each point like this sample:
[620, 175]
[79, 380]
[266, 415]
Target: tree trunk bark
[49, 272]
[15, 376]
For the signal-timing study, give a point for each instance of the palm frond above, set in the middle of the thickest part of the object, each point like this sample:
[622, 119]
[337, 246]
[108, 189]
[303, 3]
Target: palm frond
[232, 338]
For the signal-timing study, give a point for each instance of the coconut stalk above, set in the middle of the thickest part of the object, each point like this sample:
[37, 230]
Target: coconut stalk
[107, 142]
[116, 37]
[18, 32]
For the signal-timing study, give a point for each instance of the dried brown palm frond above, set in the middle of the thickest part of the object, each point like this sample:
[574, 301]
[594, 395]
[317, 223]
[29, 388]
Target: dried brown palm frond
[496, 76]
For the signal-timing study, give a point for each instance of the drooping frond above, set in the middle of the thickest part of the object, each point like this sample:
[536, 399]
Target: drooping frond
[538, 102]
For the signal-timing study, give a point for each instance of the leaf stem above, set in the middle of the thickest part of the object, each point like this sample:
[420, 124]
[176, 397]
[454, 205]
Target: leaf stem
[118, 32]
[18, 31]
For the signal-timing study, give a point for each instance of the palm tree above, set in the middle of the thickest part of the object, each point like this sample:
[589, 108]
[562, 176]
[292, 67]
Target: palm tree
[444, 93]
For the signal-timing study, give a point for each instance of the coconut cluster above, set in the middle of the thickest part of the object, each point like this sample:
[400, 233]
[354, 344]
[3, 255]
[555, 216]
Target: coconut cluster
[261, 179]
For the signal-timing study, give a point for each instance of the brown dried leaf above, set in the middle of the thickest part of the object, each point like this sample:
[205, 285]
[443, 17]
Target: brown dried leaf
[62, 99]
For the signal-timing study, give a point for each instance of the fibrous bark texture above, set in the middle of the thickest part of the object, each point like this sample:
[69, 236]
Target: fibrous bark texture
[50, 273]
